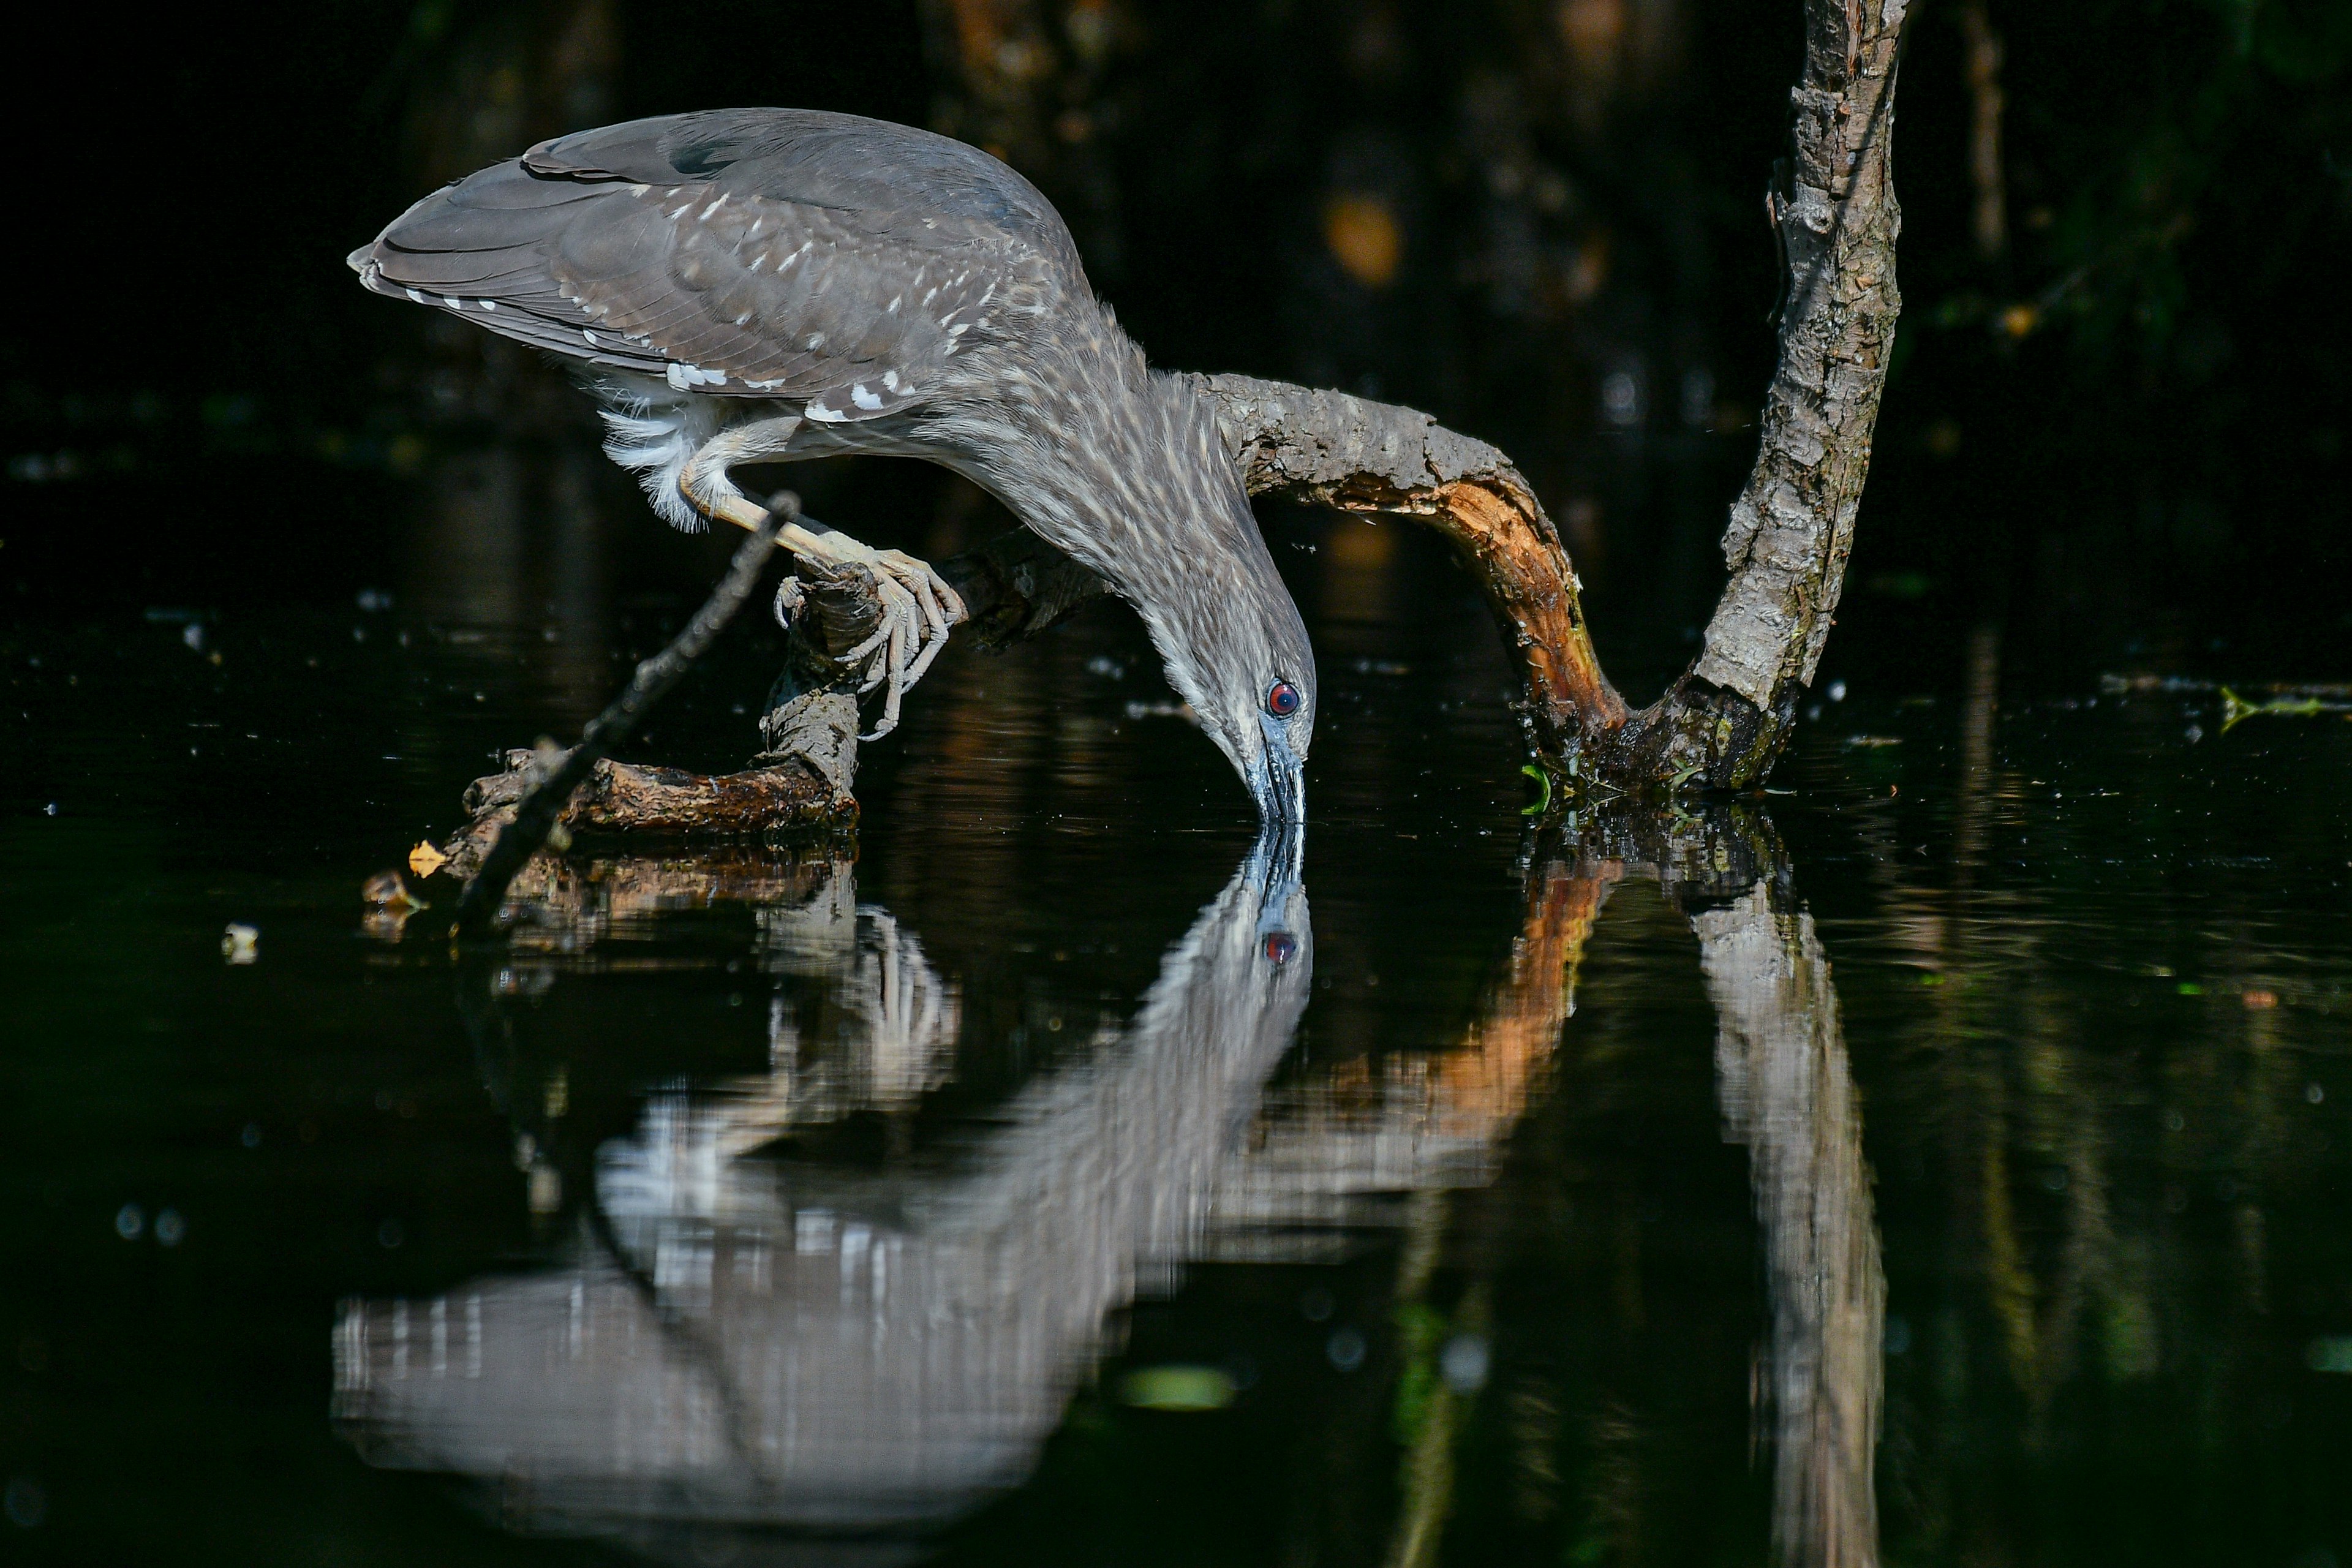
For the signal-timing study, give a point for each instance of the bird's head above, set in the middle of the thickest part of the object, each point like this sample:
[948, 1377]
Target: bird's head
[1237, 651]
[1126, 469]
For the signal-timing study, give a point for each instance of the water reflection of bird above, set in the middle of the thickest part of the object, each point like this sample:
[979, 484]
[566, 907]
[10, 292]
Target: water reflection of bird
[767, 1343]
[753, 286]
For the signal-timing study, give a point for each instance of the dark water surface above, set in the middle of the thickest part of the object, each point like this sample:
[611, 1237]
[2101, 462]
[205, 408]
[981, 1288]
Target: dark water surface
[1946, 1161]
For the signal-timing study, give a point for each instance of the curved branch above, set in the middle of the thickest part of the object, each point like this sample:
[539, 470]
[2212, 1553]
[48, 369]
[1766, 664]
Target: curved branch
[1328, 448]
[1725, 720]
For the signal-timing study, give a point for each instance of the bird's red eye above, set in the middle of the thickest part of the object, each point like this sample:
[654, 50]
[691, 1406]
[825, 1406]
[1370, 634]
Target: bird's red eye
[1281, 947]
[1282, 700]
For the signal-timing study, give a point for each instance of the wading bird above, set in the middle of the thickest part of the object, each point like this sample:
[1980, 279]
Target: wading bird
[766, 285]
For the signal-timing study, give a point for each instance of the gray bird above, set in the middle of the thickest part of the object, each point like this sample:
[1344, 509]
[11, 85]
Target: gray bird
[767, 285]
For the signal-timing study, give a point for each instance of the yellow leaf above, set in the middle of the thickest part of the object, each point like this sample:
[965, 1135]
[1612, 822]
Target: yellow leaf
[425, 859]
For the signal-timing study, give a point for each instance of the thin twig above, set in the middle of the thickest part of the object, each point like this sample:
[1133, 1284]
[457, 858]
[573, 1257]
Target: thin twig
[536, 815]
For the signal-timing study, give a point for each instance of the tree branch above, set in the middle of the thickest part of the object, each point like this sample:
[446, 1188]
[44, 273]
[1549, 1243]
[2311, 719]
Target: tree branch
[1721, 724]
[1724, 721]
[1328, 448]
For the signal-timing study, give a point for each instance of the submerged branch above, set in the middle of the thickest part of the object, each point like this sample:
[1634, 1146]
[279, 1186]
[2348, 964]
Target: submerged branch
[537, 811]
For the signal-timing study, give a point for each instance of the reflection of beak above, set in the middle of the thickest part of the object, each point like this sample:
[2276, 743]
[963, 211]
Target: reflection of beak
[1274, 868]
[1279, 779]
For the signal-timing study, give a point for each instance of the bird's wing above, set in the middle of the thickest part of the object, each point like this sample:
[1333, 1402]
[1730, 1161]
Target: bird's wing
[775, 253]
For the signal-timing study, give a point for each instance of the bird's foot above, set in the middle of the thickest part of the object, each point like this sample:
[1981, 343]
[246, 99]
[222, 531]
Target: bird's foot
[917, 609]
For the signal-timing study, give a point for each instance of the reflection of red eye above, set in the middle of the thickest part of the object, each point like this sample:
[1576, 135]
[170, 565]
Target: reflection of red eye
[1281, 947]
[1282, 702]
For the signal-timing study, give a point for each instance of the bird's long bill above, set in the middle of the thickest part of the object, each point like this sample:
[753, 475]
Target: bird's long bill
[1279, 779]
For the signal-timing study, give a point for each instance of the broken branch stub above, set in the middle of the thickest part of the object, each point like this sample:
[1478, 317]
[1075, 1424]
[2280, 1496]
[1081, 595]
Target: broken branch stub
[621, 797]
[1013, 587]
[538, 808]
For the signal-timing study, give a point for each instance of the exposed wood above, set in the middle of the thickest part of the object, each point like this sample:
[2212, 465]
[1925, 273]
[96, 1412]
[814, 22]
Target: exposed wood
[1328, 448]
[621, 797]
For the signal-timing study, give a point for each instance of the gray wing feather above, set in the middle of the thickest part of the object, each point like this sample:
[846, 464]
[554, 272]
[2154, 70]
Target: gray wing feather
[777, 253]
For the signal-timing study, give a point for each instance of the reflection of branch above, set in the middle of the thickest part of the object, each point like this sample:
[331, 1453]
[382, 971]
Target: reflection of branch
[1483, 1086]
[1324, 1161]
[1787, 1094]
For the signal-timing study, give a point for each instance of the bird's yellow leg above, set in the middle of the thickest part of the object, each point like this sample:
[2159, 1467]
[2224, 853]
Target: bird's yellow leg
[917, 604]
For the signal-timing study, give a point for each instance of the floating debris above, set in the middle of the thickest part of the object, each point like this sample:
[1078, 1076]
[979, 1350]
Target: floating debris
[241, 943]
[1178, 1388]
[2124, 685]
[2236, 710]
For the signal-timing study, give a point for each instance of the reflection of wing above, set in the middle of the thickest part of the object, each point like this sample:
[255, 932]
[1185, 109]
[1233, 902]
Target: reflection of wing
[779, 1345]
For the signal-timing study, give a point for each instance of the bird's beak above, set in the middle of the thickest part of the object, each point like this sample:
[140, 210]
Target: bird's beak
[1280, 780]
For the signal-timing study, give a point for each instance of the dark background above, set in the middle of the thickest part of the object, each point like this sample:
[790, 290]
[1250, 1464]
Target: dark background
[2112, 442]
[2119, 434]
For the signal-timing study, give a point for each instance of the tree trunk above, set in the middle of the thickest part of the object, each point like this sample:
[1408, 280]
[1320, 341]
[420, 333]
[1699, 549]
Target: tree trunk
[1723, 723]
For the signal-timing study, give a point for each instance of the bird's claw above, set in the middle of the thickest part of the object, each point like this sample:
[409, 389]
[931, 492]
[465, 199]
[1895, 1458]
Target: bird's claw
[917, 608]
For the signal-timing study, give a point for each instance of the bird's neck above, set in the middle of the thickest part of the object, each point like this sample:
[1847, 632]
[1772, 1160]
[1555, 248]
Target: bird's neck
[1118, 466]
[1125, 471]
